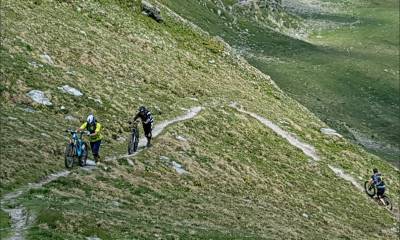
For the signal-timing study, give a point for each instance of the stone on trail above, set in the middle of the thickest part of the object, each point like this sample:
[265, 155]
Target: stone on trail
[39, 97]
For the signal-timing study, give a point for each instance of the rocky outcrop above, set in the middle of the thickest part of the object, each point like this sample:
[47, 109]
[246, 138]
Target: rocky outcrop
[151, 11]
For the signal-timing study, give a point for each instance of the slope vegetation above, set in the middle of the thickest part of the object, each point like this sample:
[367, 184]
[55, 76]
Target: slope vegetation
[340, 60]
[243, 180]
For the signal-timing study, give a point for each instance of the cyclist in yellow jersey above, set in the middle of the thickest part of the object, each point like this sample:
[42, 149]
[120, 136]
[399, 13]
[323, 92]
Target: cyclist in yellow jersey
[94, 128]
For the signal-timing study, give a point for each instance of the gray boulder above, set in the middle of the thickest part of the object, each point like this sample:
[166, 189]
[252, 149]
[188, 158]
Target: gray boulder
[151, 11]
[39, 97]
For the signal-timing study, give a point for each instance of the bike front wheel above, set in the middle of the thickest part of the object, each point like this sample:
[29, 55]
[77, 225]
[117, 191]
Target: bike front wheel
[369, 189]
[69, 155]
[133, 143]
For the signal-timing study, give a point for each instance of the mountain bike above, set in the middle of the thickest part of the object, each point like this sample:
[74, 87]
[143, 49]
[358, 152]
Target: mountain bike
[76, 149]
[370, 190]
[133, 138]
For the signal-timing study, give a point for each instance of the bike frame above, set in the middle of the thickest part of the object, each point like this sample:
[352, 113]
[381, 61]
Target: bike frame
[78, 143]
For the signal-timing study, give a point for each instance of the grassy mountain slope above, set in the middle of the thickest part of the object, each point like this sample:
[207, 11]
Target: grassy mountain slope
[347, 73]
[244, 181]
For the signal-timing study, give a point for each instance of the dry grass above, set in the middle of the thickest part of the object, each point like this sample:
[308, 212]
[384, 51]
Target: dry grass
[244, 181]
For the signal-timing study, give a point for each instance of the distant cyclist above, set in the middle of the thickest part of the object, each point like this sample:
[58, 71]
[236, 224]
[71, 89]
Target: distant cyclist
[376, 179]
[147, 122]
[94, 128]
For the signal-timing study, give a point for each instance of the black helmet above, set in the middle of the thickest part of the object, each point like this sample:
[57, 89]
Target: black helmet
[375, 170]
[142, 109]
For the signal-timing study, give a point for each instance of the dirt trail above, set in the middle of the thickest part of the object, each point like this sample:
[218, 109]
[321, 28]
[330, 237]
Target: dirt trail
[309, 151]
[19, 216]
[291, 138]
[191, 113]
[340, 173]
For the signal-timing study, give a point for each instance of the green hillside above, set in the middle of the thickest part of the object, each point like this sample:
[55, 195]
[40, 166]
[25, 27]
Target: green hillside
[346, 71]
[244, 181]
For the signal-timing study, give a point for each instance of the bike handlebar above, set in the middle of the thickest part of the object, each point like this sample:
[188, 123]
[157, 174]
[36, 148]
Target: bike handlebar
[81, 132]
[136, 122]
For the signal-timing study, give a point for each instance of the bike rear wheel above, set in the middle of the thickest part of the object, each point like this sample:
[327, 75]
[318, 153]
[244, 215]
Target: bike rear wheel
[388, 203]
[83, 158]
[133, 142]
[369, 189]
[69, 156]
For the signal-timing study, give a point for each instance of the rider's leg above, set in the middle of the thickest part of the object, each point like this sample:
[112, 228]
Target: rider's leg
[148, 141]
[95, 150]
[380, 192]
[147, 131]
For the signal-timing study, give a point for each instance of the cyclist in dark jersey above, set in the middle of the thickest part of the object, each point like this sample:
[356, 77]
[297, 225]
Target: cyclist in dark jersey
[147, 122]
[376, 179]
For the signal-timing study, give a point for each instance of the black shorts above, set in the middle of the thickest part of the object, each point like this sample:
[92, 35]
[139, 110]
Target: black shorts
[147, 129]
[380, 192]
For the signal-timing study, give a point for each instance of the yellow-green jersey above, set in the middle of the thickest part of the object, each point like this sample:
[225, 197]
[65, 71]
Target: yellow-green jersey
[96, 128]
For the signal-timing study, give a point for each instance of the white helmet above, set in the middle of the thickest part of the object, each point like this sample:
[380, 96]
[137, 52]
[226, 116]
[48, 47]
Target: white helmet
[90, 119]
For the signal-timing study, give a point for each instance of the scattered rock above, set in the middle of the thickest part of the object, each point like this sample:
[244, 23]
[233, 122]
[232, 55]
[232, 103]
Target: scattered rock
[194, 99]
[130, 162]
[164, 158]
[116, 203]
[39, 97]
[71, 118]
[93, 238]
[82, 32]
[47, 59]
[96, 100]
[35, 64]
[330, 132]
[45, 135]
[70, 90]
[63, 110]
[151, 11]
[178, 168]
[180, 138]
[29, 110]
[305, 215]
